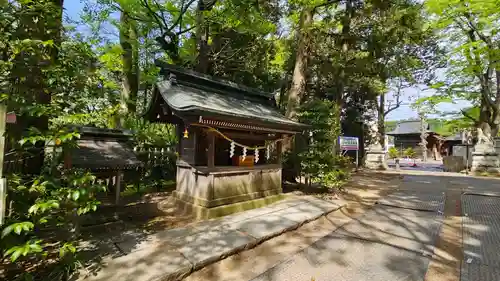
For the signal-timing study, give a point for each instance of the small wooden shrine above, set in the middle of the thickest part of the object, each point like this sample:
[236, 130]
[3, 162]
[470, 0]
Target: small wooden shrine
[230, 138]
[105, 152]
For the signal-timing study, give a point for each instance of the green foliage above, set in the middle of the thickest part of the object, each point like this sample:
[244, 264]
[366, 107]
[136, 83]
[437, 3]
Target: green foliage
[149, 134]
[393, 153]
[335, 178]
[318, 159]
[54, 199]
[29, 247]
[45, 75]
[52, 79]
[410, 153]
[469, 30]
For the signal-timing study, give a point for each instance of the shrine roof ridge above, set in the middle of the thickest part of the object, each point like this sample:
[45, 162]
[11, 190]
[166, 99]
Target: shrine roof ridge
[101, 132]
[195, 78]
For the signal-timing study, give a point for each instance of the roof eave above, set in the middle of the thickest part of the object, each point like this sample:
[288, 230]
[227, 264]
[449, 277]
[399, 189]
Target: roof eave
[197, 111]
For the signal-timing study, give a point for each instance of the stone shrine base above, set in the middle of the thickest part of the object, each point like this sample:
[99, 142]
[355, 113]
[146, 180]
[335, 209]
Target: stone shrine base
[202, 213]
[220, 191]
[485, 162]
[453, 164]
[376, 160]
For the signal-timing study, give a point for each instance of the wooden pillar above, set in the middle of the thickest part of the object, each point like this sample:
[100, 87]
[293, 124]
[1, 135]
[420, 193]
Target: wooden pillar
[211, 150]
[118, 181]
[434, 151]
[178, 131]
[279, 150]
[188, 146]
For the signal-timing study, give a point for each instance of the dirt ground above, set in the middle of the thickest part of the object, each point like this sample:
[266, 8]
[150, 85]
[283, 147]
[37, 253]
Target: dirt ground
[446, 262]
[157, 211]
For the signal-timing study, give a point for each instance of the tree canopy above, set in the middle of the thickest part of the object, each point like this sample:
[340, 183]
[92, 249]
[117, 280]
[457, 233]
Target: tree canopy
[329, 63]
[469, 30]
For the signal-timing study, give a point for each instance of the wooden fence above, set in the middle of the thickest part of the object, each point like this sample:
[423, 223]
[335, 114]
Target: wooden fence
[155, 156]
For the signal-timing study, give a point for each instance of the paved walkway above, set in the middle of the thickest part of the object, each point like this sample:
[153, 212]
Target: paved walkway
[429, 227]
[173, 254]
[412, 234]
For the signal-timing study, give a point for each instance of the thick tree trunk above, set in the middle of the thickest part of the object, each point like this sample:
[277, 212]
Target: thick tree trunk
[344, 47]
[298, 87]
[28, 74]
[299, 78]
[496, 118]
[381, 120]
[130, 57]
[202, 33]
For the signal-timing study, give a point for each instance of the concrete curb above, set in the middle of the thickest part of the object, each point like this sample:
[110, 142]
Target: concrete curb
[255, 242]
[175, 256]
[479, 193]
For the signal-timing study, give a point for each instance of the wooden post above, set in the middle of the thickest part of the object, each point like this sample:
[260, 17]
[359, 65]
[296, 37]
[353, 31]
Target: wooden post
[279, 150]
[211, 150]
[188, 146]
[118, 180]
[3, 181]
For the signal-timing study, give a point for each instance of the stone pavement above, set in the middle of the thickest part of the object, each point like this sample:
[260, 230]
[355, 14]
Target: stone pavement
[393, 241]
[430, 227]
[175, 253]
[414, 233]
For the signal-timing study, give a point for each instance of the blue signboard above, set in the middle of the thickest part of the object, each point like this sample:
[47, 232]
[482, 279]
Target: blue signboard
[349, 143]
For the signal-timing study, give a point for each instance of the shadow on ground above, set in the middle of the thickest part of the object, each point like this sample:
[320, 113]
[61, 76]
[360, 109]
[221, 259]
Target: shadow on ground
[394, 241]
[406, 237]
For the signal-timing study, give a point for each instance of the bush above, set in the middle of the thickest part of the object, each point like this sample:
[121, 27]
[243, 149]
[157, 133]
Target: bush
[344, 162]
[393, 153]
[410, 153]
[52, 201]
[316, 156]
[336, 178]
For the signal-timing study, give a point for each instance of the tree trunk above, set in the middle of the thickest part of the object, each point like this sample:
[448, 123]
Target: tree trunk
[130, 57]
[202, 33]
[344, 47]
[298, 85]
[496, 117]
[423, 136]
[381, 120]
[299, 77]
[485, 117]
[28, 74]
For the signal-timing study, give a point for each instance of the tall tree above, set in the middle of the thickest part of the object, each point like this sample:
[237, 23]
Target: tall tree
[299, 77]
[471, 30]
[130, 56]
[37, 36]
[403, 50]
